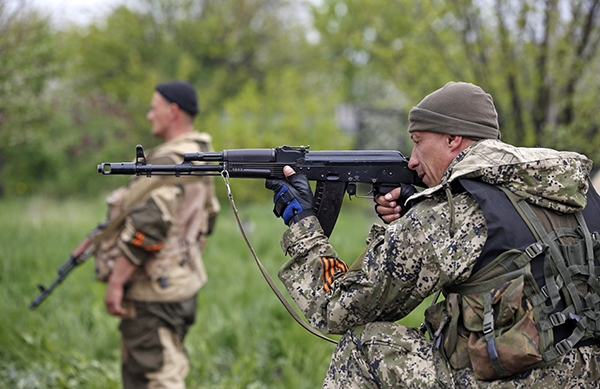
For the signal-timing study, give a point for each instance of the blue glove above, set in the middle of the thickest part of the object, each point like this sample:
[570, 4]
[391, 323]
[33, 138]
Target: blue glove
[293, 198]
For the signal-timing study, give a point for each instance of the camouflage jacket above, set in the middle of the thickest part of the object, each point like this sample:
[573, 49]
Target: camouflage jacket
[434, 246]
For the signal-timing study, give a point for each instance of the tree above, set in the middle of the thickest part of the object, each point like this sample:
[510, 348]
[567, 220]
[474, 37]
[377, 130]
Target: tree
[222, 47]
[26, 66]
[538, 58]
[255, 74]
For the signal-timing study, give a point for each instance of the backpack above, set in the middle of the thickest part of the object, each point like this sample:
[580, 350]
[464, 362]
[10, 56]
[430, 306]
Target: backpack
[500, 322]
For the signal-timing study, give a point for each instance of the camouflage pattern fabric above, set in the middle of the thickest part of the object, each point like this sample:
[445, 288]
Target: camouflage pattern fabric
[388, 355]
[152, 351]
[433, 247]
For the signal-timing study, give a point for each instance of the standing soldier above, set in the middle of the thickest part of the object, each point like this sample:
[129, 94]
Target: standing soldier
[150, 256]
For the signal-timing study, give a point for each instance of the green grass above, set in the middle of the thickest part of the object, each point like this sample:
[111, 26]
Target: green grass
[243, 337]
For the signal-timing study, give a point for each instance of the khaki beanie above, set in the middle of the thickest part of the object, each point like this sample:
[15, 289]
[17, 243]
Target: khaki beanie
[458, 108]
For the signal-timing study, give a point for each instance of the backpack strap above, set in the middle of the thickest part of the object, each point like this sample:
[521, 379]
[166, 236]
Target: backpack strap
[560, 268]
[490, 335]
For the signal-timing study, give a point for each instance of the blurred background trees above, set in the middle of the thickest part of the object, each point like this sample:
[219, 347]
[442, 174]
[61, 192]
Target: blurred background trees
[274, 72]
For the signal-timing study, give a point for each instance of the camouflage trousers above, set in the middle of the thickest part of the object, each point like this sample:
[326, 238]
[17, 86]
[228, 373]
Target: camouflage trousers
[153, 356]
[388, 355]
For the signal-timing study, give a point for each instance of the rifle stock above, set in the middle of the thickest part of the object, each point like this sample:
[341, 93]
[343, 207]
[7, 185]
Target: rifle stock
[77, 257]
[336, 172]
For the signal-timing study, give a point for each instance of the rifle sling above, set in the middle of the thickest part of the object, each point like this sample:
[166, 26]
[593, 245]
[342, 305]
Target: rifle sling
[264, 271]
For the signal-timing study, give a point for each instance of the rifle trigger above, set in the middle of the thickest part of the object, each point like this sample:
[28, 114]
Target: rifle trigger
[41, 287]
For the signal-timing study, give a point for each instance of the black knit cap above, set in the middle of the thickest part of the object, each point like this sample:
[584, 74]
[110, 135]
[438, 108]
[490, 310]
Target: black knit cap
[181, 93]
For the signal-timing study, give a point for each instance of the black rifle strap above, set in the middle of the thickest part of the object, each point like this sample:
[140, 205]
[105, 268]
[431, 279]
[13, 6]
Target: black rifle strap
[264, 271]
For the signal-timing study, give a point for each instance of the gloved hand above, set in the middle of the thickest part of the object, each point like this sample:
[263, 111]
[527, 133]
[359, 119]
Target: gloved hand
[389, 210]
[293, 198]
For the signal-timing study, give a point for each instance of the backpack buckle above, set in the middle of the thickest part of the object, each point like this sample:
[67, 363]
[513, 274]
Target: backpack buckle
[557, 319]
[488, 322]
[596, 238]
[534, 249]
[564, 346]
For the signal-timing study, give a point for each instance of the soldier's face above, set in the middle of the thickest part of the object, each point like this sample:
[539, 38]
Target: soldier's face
[160, 114]
[431, 155]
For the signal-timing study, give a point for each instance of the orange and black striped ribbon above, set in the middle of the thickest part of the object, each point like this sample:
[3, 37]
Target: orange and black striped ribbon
[330, 268]
[139, 239]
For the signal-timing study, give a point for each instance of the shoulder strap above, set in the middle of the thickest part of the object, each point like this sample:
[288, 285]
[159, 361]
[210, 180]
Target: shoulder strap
[142, 188]
[566, 268]
[134, 199]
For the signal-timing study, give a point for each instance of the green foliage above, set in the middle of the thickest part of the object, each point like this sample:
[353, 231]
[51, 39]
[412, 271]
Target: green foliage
[44, 349]
[26, 64]
[79, 96]
[106, 52]
[538, 59]
[283, 113]
[243, 337]
[254, 89]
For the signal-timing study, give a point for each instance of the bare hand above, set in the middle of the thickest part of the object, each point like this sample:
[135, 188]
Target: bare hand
[115, 288]
[387, 207]
[113, 299]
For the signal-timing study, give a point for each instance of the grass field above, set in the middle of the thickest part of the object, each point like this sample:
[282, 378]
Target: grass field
[243, 337]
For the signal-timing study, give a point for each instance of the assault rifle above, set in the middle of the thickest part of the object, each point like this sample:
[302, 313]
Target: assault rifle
[77, 257]
[335, 172]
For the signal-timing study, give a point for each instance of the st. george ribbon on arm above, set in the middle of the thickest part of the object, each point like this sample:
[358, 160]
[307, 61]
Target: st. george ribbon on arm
[336, 172]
